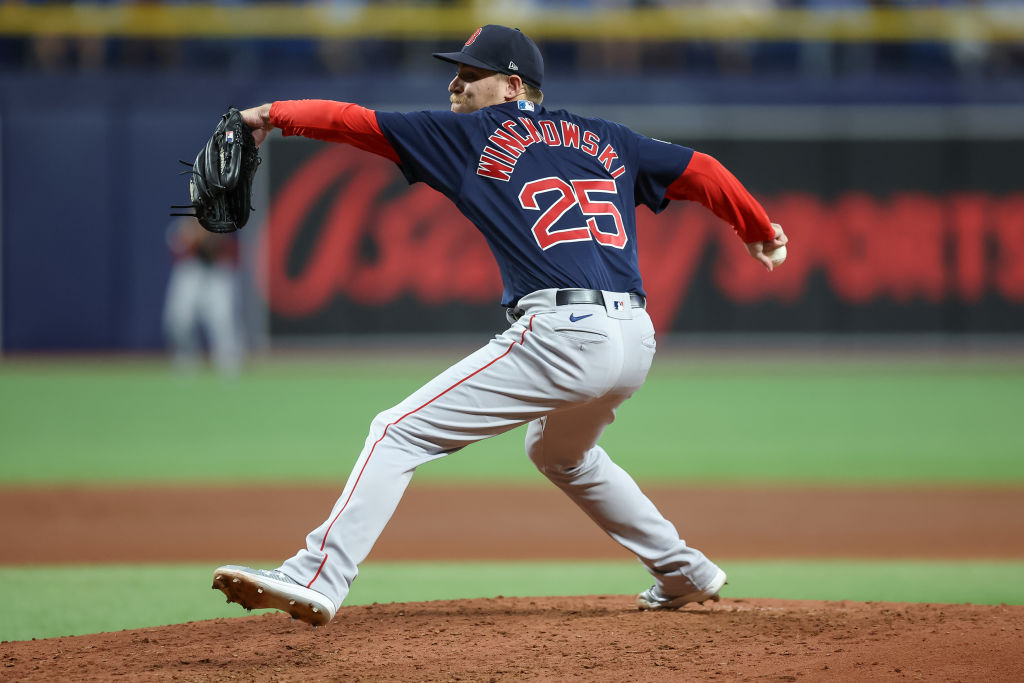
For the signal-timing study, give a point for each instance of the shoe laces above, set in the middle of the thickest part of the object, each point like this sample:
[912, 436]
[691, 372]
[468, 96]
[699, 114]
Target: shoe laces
[276, 574]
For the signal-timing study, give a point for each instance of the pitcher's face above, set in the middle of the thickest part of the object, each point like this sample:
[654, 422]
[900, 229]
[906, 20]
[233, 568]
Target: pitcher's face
[474, 88]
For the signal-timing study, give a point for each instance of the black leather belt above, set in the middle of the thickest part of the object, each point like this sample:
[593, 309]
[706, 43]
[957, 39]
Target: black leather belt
[568, 297]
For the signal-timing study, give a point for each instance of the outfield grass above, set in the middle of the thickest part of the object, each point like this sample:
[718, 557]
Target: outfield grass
[45, 602]
[701, 421]
[706, 421]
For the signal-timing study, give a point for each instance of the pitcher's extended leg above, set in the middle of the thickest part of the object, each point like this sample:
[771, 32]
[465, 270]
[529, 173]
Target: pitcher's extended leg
[503, 385]
[563, 445]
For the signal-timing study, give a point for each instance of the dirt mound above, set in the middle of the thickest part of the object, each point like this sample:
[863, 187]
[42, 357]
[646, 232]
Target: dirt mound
[540, 639]
[596, 638]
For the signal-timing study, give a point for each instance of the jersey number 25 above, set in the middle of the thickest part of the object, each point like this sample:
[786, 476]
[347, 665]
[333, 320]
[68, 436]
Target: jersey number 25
[573, 193]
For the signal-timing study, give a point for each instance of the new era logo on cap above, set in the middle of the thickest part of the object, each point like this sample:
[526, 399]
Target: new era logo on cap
[502, 49]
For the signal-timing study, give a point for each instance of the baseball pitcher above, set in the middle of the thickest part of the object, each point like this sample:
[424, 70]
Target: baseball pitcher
[554, 194]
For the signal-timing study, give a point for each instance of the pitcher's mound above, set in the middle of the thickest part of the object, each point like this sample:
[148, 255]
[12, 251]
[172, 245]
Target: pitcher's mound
[591, 638]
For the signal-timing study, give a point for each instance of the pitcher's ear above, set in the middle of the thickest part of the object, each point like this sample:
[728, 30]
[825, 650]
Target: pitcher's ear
[515, 87]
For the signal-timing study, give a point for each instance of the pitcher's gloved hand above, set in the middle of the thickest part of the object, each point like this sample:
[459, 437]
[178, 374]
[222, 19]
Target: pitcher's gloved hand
[220, 187]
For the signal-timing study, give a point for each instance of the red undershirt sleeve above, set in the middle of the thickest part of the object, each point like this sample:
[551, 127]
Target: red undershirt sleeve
[333, 122]
[709, 183]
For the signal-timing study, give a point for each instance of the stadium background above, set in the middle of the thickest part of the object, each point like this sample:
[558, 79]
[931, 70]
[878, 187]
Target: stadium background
[886, 140]
[885, 137]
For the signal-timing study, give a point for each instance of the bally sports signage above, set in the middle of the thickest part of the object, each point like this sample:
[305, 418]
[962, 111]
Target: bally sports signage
[350, 248]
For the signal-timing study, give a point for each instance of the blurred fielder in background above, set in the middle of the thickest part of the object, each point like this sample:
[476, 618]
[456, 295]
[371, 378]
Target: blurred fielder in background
[202, 295]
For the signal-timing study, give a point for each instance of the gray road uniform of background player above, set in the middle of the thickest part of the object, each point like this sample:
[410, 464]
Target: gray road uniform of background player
[554, 195]
[202, 294]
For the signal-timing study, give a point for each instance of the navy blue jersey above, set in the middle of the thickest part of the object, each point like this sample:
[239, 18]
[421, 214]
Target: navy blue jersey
[554, 194]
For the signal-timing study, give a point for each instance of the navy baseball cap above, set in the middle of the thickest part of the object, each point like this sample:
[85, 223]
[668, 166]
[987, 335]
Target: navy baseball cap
[503, 49]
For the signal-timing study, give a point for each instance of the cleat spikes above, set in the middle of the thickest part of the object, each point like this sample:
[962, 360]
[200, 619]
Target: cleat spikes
[257, 590]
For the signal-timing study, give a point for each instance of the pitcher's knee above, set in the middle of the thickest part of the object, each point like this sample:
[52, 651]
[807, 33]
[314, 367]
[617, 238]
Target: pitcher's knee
[379, 424]
[386, 426]
[554, 468]
[389, 432]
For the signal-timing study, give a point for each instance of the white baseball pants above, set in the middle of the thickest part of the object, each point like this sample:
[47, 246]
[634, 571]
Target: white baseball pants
[203, 295]
[562, 369]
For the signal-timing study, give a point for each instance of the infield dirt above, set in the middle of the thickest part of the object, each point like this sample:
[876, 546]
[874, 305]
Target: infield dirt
[593, 638]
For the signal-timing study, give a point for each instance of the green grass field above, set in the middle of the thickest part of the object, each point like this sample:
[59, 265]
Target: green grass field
[876, 421]
[835, 422]
[112, 598]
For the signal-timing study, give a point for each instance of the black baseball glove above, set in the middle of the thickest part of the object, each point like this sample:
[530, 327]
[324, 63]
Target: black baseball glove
[220, 186]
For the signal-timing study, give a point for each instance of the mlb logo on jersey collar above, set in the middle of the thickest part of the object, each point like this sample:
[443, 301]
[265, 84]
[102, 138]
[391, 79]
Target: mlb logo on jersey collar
[525, 105]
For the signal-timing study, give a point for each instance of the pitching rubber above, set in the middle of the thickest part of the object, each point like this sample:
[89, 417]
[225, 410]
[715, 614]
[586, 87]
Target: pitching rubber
[252, 591]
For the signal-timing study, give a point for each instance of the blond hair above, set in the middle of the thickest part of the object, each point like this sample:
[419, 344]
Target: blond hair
[533, 94]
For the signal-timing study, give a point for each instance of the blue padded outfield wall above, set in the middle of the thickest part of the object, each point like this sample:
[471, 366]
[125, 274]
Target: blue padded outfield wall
[89, 169]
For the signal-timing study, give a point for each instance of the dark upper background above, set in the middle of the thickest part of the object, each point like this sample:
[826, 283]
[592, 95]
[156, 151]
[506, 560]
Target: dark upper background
[92, 121]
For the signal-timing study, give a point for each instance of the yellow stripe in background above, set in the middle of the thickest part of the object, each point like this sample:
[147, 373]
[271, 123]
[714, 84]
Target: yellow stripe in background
[314, 20]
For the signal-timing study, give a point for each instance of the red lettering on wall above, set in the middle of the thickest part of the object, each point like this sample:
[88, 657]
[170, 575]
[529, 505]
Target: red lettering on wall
[905, 248]
[854, 243]
[670, 252]
[423, 245]
[313, 286]
[743, 280]
[884, 248]
[968, 213]
[429, 250]
[1008, 221]
[918, 256]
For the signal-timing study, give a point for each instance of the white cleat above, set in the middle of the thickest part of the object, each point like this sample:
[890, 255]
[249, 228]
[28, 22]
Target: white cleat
[652, 598]
[271, 589]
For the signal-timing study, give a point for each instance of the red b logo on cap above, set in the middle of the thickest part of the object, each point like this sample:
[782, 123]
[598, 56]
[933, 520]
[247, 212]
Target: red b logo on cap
[473, 37]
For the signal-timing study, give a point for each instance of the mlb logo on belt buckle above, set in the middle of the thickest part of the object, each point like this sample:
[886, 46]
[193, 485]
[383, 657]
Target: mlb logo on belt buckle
[617, 306]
